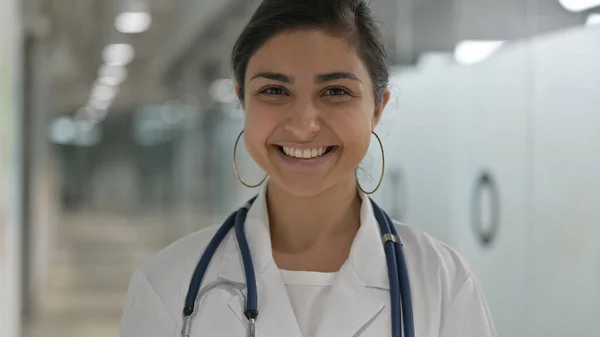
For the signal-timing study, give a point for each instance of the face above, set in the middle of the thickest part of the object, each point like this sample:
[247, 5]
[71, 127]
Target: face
[310, 110]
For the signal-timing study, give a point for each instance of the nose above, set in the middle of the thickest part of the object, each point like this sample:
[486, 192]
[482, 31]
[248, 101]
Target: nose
[303, 121]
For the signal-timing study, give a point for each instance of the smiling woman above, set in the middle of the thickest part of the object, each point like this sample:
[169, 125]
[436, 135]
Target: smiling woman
[309, 98]
[312, 79]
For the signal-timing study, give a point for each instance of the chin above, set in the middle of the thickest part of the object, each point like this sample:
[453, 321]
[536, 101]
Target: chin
[312, 186]
[301, 187]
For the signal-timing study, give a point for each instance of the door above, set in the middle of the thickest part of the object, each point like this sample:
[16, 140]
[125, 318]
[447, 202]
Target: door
[491, 190]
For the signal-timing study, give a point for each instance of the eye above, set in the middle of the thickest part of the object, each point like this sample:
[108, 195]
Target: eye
[336, 91]
[273, 91]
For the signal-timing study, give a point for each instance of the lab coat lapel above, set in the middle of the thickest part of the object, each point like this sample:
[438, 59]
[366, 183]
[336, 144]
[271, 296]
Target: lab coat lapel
[353, 302]
[350, 306]
[276, 316]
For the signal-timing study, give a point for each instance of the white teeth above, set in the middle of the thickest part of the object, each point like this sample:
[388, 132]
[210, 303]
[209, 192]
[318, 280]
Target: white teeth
[304, 153]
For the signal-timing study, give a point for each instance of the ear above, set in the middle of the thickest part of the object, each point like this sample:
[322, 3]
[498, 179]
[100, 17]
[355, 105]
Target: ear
[380, 107]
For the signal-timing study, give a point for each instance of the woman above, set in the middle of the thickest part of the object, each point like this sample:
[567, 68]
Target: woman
[312, 78]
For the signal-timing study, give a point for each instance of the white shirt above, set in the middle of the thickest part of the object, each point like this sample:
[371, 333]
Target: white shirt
[447, 298]
[308, 293]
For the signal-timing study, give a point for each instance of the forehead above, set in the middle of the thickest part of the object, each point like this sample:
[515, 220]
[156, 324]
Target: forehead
[306, 52]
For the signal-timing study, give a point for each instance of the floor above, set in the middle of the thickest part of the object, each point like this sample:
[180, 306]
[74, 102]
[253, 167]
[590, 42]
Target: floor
[89, 274]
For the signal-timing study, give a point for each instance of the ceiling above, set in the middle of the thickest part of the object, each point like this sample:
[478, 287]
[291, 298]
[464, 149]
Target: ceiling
[189, 41]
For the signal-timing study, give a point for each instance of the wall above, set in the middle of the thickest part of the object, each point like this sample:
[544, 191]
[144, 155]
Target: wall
[10, 236]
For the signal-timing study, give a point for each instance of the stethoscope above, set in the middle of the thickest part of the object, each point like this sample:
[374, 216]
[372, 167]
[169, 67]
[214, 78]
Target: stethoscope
[400, 298]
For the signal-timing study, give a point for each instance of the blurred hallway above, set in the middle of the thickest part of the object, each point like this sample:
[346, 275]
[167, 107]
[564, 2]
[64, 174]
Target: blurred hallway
[118, 121]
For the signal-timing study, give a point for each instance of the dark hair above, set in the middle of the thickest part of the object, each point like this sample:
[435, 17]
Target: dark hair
[351, 19]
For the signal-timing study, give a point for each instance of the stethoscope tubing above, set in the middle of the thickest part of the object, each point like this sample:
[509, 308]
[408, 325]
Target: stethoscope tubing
[400, 297]
[405, 296]
[392, 265]
[251, 311]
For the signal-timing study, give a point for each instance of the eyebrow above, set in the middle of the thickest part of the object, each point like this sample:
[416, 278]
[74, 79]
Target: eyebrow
[321, 78]
[275, 77]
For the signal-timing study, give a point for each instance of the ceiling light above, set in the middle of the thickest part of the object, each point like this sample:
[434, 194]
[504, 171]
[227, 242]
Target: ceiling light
[133, 22]
[63, 130]
[579, 5]
[91, 114]
[100, 105]
[104, 92]
[222, 90]
[593, 20]
[118, 54]
[434, 61]
[111, 75]
[474, 51]
[85, 112]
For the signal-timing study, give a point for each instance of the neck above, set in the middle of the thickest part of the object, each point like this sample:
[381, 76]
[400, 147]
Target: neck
[298, 224]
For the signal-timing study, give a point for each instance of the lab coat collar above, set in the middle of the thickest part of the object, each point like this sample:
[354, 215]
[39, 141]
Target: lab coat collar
[259, 240]
[367, 256]
[351, 304]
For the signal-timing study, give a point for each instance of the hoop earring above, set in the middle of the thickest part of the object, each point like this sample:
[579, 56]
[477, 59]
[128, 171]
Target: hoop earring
[382, 167]
[237, 174]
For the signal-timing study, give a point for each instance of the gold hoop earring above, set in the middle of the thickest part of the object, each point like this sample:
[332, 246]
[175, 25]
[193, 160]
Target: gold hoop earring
[237, 173]
[382, 167]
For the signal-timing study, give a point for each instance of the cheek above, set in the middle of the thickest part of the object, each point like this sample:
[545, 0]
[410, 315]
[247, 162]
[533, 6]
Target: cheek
[354, 129]
[258, 126]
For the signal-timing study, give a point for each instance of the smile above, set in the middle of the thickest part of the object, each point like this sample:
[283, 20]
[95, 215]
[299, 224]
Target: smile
[305, 153]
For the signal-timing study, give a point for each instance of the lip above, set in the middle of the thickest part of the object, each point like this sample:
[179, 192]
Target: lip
[301, 162]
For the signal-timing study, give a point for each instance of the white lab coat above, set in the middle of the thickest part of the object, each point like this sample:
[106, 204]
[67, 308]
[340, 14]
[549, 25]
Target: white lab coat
[447, 299]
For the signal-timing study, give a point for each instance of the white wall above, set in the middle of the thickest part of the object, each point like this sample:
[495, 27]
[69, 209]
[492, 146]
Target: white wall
[530, 116]
[10, 231]
[566, 186]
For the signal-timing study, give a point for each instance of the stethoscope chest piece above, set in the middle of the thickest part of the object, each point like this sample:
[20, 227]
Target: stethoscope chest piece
[251, 327]
[185, 331]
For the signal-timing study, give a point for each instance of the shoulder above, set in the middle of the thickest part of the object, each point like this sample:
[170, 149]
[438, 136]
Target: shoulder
[445, 278]
[431, 257]
[158, 286]
[167, 273]
[179, 256]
